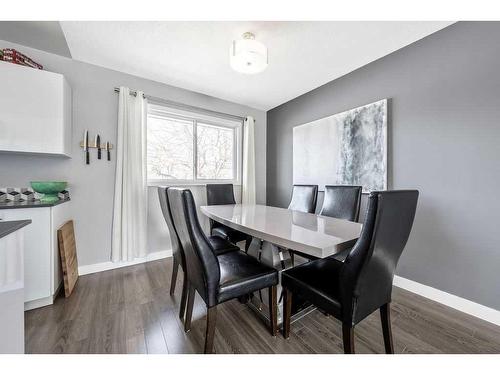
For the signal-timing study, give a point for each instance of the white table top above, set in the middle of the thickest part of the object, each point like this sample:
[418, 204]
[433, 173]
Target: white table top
[312, 234]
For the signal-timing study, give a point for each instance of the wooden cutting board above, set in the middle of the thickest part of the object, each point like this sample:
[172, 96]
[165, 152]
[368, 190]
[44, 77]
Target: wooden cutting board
[67, 250]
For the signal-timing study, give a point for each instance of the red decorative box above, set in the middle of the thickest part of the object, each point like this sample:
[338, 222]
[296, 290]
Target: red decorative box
[16, 57]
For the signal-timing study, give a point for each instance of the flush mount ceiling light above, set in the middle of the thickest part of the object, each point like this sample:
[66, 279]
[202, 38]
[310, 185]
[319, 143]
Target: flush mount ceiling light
[248, 56]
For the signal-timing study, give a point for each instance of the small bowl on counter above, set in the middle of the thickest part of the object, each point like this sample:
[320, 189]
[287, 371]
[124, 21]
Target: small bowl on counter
[49, 189]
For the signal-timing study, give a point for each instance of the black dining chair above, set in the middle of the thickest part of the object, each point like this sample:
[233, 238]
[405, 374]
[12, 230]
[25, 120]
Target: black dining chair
[219, 246]
[216, 278]
[304, 198]
[353, 289]
[219, 194]
[342, 202]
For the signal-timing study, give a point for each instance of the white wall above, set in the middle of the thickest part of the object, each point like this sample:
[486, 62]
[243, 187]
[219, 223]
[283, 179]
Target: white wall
[95, 107]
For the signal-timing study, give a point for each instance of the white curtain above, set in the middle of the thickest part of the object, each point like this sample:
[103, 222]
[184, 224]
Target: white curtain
[248, 188]
[130, 203]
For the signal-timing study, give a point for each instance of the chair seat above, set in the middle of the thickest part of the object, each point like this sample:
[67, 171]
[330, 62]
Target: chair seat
[316, 282]
[221, 246]
[230, 234]
[241, 274]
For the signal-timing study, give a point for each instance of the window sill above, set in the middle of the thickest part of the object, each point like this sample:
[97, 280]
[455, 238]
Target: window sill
[167, 183]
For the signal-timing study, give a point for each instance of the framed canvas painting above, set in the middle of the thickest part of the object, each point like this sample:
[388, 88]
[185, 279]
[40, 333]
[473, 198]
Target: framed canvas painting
[348, 148]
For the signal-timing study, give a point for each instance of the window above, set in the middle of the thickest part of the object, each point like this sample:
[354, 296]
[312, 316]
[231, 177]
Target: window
[187, 147]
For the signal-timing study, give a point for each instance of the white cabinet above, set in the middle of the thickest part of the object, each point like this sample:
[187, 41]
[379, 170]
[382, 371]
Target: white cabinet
[11, 294]
[42, 268]
[35, 111]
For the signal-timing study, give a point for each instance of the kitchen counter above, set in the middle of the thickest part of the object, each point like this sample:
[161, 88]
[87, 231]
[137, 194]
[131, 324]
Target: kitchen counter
[7, 227]
[42, 266]
[30, 204]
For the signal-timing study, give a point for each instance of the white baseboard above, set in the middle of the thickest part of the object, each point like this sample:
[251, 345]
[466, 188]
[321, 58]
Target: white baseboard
[37, 303]
[106, 266]
[458, 303]
[41, 302]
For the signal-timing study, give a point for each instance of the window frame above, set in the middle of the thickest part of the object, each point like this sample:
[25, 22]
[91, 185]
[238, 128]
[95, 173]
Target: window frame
[162, 111]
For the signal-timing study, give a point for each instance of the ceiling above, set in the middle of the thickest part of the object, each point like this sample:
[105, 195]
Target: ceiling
[195, 55]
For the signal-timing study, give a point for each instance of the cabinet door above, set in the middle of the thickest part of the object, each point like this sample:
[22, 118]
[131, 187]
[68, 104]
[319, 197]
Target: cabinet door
[37, 251]
[35, 109]
[11, 294]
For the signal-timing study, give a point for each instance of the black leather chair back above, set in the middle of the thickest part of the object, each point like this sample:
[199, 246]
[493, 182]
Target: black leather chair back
[220, 194]
[304, 198]
[177, 251]
[369, 268]
[342, 202]
[202, 266]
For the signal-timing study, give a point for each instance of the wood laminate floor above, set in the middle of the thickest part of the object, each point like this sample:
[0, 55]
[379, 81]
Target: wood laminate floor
[129, 310]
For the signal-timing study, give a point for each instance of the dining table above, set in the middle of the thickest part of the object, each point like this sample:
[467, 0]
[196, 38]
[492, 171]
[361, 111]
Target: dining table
[275, 232]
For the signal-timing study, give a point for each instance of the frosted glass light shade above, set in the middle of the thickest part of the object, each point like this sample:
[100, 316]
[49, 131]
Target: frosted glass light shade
[248, 56]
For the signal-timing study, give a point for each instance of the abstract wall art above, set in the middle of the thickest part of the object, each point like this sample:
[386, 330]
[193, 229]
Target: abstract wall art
[348, 148]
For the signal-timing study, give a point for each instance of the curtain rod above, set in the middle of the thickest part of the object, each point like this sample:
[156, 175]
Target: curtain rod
[188, 107]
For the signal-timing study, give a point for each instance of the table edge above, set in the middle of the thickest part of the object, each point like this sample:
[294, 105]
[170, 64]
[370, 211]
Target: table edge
[292, 245]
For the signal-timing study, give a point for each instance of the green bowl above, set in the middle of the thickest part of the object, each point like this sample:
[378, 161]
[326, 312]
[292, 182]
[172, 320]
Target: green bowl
[49, 189]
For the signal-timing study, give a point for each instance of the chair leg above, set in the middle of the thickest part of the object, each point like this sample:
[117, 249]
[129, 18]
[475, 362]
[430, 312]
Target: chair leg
[287, 313]
[273, 308]
[292, 257]
[385, 317]
[210, 333]
[182, 309]
[175, 269]
[189, 308]
[348, 338]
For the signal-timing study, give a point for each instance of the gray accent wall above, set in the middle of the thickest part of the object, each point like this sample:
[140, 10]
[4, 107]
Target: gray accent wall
[95, 107]
[444, 140]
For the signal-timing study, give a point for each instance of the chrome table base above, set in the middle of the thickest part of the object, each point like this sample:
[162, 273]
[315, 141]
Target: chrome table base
[279, 258]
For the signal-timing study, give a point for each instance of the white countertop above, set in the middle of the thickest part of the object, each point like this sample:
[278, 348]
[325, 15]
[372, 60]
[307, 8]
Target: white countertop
[312, 234]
